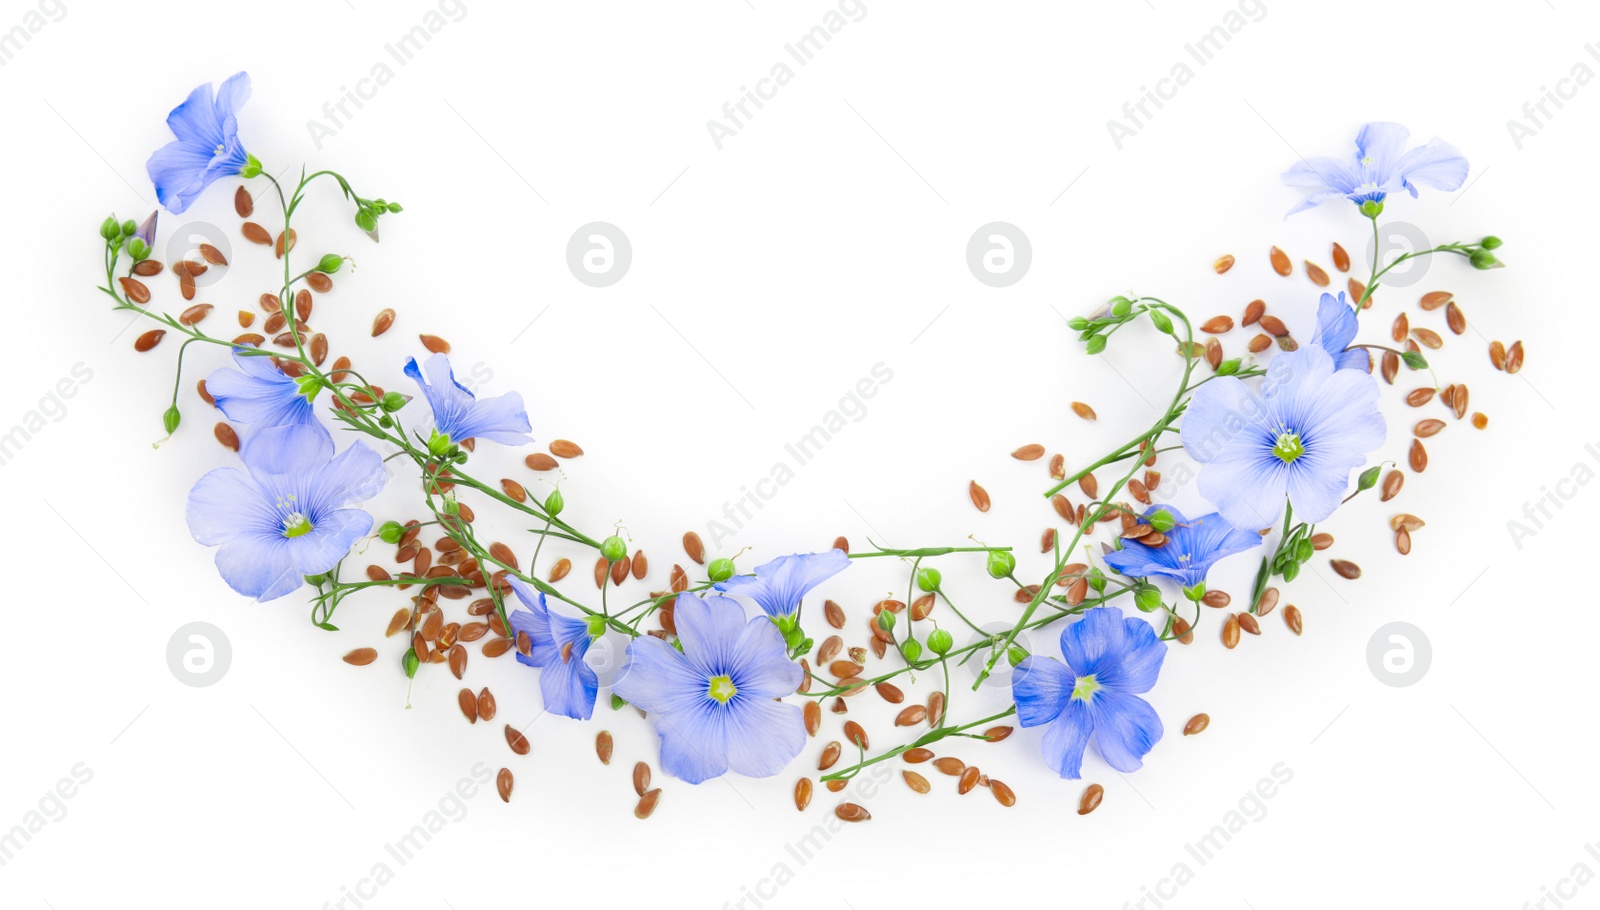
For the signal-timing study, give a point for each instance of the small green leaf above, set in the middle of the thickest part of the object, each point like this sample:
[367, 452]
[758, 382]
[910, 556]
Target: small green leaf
[1415, 360]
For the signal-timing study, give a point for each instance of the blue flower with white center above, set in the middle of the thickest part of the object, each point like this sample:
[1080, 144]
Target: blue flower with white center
[1381, 166]
[558, 644]
[714, 703]
[207, 146]
[259, 394]
[285, 516]
[1336, 330]
[778, 586]
[1298, 437]
[1109, 662]
[1190, 550]
[458, 414]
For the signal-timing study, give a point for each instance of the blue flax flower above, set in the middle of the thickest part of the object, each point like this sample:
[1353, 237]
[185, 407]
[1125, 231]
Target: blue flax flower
[1110, 662]
[1336, 330]
[458, 415]
[714, 703]
[1298, 437]
[559, 643]
[1380, 166]
[778, 586]
[259, 394]
[207, 147]
[285, 515]
[1191, 548]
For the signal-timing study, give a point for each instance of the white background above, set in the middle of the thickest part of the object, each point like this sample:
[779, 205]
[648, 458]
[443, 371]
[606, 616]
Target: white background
[767, 278]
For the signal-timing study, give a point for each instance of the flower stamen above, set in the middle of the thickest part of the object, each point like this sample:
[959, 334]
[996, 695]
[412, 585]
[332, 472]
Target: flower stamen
[721, 688]
[1085, 687]
[1288, 447]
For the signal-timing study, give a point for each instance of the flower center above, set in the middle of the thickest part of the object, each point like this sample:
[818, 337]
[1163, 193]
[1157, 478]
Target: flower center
[1367, 161]
[296, 524]
[220, 149]
[721, 688]
[1288, 447]
[1085, 687]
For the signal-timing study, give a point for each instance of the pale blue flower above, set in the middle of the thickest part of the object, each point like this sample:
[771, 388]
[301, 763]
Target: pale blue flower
[1191, 548]
[1109, 662]
[778, 586]
[286, 515]
[207, 147]
[558, 645]
[1381, 165]
[714, 704]
[1298, 437]
[459, 415]
[259, 394]
[1336, 331]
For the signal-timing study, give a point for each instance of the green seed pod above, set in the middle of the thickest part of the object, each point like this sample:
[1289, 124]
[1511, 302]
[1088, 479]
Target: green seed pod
[939, 642]
[1162, 520]
[1148, 598]
[109, 228]
[1162, 323]
[886, 620]
[1304, 549]
[928, 579]
[1369, 477]
[1490, 242]
[1372, 208]
[393, 401]
[912, 650]
[170, 420]
[720, 569]
[1291, 571]
[410, 662]
[330, 263]
[1077, 323]
[391, 532]
[129, 228]
[597, 626]
[613, 548]
[138, 249]
[1097, 580]
[1001, 564]
[1096, 344]
[554, 503]
[1484, 260]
